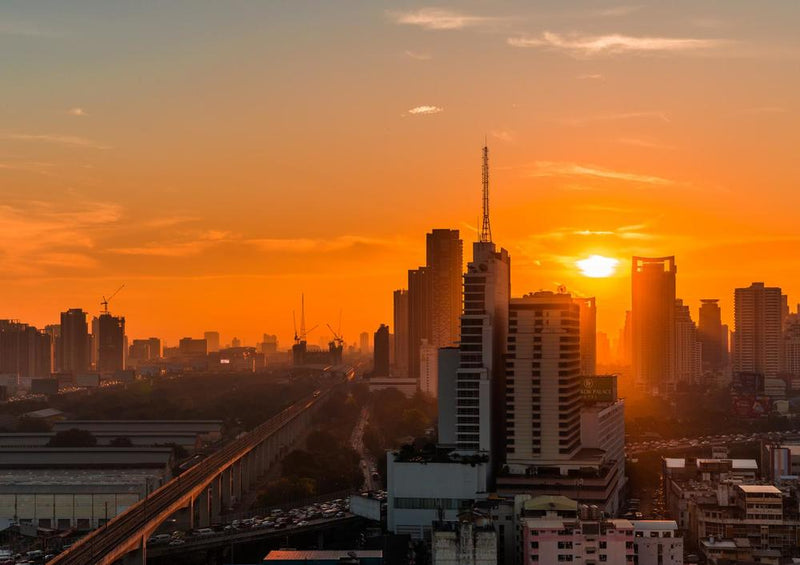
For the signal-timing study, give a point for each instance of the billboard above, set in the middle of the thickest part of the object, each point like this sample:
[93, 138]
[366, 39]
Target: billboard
[599, 388]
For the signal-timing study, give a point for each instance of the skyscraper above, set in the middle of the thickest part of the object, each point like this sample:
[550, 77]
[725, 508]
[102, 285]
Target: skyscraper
[401, 332]
[653, 323]
[543, 394]
[481, 377]
[74, 343]
[419, 318]
[381, 352]
[759, 313]
[110, 343]
[363, 339]
[588, 311]
[687, 347]
[444, 261]
[212, 341]
[710, 333]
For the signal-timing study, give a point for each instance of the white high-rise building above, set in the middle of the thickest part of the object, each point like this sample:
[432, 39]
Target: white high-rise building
[480, 384]
[543, 396]
[759, 313]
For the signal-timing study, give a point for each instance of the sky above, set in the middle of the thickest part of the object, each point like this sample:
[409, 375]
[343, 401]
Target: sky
[221, 158]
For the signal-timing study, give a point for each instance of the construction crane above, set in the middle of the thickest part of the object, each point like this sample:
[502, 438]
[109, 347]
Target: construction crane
[337, 335]
[105, 301]
[298, 337]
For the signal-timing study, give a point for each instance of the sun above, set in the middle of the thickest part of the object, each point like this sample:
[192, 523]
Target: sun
[597, 266]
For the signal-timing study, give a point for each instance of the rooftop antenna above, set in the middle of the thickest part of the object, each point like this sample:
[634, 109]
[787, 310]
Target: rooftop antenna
[486, 229]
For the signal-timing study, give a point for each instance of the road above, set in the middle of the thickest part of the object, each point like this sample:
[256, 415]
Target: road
[357, 443]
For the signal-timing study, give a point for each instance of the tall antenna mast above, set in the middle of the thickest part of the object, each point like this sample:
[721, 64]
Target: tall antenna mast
[302, 316]
[486, 229]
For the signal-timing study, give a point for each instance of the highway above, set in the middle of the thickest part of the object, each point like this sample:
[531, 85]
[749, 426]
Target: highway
[130, 529]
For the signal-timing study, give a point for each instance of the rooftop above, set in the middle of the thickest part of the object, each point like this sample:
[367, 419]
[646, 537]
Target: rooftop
[654, 525]
[759, 489]
[551, 502]
[295, 555]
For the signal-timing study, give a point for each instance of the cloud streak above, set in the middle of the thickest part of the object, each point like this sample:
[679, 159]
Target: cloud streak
[66, 140]
[424, 110]
[566, 169]
[77, 112]
[439, 19]
[612, 44]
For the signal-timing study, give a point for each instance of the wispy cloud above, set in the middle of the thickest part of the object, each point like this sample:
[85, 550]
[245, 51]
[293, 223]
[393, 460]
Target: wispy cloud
[41, 235]
[77, 112]
[765, 110]
[645, 143]
[618, 11]
[592, 76]
[419, 56]
[67, 140]
[440, 19]
[505, 135]
[567, 169]
[638, 115]
[592, 45]
[197, 244]
[310, 245]
[424, 110]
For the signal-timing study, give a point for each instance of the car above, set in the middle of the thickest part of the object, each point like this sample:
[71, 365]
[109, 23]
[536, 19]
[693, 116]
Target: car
[159, 538]
[204, 532]
[177, 542]
[302, 523]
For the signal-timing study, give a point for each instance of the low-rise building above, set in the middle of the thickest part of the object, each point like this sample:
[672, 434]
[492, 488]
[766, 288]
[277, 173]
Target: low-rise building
[470, 540]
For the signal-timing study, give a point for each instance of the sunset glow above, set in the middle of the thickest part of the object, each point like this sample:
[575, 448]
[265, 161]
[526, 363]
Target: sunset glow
[597, 266]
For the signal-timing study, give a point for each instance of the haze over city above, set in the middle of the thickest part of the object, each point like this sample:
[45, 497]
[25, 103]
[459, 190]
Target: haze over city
[222, 158]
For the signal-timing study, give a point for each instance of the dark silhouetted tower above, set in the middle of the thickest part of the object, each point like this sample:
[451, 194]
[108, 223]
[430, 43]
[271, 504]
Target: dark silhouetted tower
[401, 332]
[653, 323]
[74, 342]
[110, 343]
[381, 351]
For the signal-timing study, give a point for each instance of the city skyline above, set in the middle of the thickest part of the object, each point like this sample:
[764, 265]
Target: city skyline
[611, 135]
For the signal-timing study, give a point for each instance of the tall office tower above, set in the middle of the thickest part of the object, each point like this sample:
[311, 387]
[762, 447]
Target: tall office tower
[110, 343]
[381, 351]
[54, 331]
[155, 347]
[419, 315]
[363, 342]
[711, 335]
[604, 356]
[235, 342]
[625, 342]
[791, 346]
[687, 348]
[400, 299]
[481, 377]
[212, 341]
[653, 324]
[759, 313]
[543, 394]
[445, 262]
[588, 310]
[74, 343]
[429, 368]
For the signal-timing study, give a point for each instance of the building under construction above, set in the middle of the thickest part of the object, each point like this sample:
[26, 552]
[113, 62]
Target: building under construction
[302, 355]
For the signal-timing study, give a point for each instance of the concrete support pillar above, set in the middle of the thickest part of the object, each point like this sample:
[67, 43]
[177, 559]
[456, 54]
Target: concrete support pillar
[236, 483]
[215, 493]
[225, 481]
[246, 470]
[137, 556]
[203, 514]
[184, 518]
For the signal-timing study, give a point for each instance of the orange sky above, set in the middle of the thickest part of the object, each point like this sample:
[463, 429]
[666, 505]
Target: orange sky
[221, 158]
